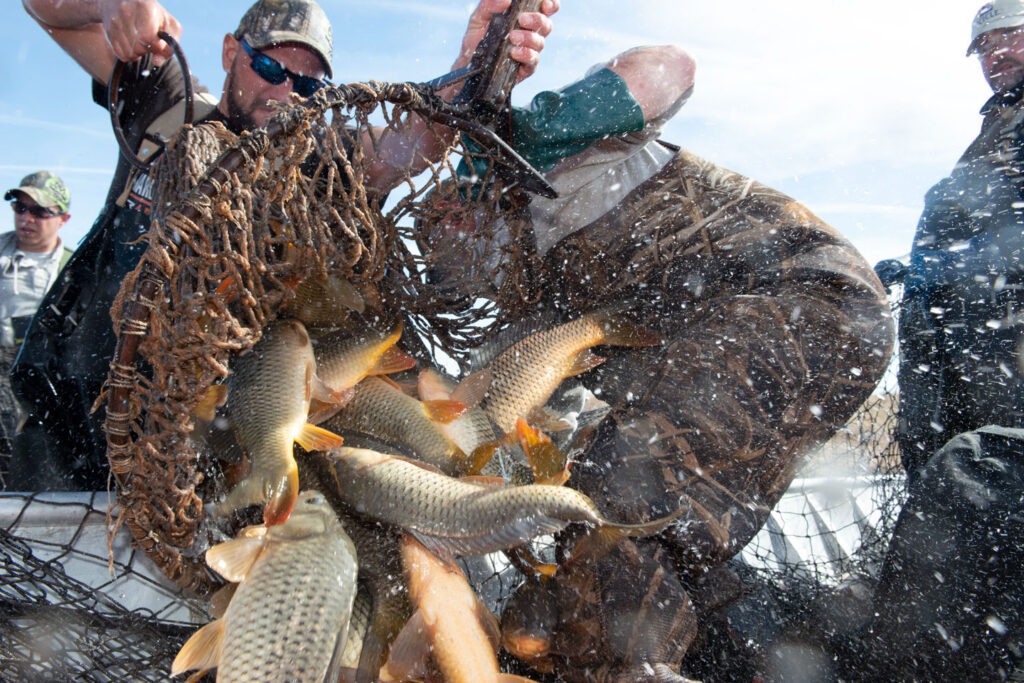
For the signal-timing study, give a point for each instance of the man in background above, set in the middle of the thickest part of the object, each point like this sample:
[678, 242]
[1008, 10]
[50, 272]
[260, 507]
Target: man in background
[949, 603]
[31, 256]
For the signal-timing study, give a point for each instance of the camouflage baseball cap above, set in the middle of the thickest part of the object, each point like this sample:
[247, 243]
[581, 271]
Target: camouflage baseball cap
[45, 188]
[271, 22]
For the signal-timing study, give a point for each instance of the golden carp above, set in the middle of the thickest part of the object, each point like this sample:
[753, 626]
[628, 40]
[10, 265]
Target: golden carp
[343, 359]
[462, 517]
[526, 374]
[451, 625]
[269, 392]
[472, 431]
[288, 618]
[382, 411]
[325, 300]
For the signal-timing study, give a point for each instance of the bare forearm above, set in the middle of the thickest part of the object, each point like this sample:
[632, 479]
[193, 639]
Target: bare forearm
[67, 14]
[97, 32]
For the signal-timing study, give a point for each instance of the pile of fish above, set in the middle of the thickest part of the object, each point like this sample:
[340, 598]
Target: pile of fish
[352, 574]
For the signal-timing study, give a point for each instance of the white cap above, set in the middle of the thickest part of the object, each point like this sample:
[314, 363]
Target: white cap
[995, 15]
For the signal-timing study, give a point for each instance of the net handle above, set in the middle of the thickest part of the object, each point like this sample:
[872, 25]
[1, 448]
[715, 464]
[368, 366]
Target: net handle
[113, 101]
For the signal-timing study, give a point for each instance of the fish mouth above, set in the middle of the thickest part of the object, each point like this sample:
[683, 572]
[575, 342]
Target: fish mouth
[532, 649]
[283, 495]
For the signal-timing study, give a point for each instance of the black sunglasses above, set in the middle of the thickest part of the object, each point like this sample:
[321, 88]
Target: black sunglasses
[37, 211]
[274, 72]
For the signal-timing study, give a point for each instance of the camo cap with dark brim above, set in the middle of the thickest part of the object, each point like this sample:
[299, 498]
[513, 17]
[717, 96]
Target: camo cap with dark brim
[272, 22]
[45, 188]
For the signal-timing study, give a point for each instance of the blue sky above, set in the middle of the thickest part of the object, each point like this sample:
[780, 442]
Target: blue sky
[854, 108]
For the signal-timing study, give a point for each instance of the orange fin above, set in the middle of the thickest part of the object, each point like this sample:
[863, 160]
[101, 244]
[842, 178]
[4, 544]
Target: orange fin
[406, 388]
[410, 651]
[444, 411]
[220, 600]
[547, 420]
[473, 388]
[313, 438]
[523, 559]
[321, 412]
[226, 288]
[433, 386]
[585, 360]
[233, 559]
[319, 391]
[202, 650]
[549, 465]
[214, 398]
[480, 456]
[283, 494]
[393, 359]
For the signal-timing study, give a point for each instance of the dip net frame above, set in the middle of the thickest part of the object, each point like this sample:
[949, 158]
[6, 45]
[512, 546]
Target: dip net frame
[239, 223]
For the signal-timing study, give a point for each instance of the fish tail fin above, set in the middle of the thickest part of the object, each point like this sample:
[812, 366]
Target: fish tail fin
[549, 465]
[202, 650]
[313, 438]
[617, 330]
[393, 359]
[282, 497]
[444, 411]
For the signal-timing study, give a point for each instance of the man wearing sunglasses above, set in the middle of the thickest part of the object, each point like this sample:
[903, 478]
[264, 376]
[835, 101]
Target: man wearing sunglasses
[31, 255]
[280, 48]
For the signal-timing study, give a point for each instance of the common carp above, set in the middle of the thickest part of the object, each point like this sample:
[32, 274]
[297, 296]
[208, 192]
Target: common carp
[526, 374]
[451, 625]
[381, 576]
[382, 411]
[288, 618]
[343, 358]
[269, 392]
[472, 431]
[325, 301]
[461, 517]
[623, 618]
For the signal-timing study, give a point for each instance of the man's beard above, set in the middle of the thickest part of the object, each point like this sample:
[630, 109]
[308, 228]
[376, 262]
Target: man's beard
[238, 120]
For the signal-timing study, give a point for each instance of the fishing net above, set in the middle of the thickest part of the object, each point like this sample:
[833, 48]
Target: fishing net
[239, 225]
